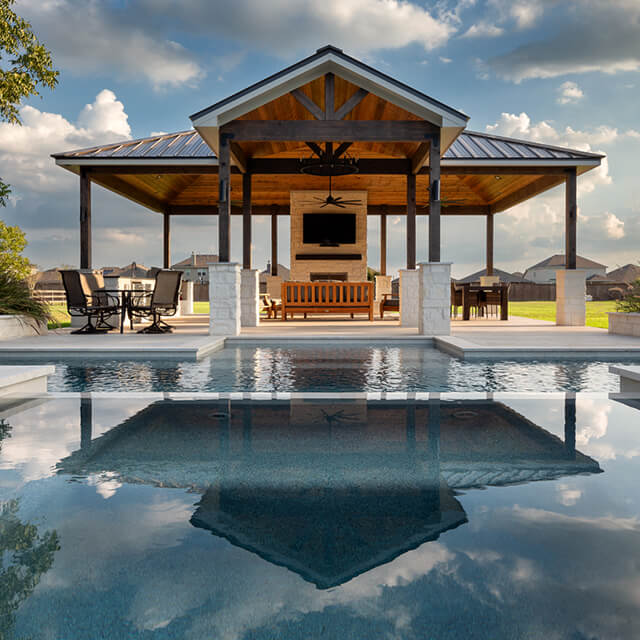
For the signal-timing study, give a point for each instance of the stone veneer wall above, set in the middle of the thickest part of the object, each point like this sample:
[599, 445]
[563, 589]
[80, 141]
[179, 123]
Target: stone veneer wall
[434, 298]
[224, 299]
[356, 270]
[571, 290]
[625, 324]
[16, 326]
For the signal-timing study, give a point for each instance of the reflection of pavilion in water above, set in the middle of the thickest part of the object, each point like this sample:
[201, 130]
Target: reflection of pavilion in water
[328, 489]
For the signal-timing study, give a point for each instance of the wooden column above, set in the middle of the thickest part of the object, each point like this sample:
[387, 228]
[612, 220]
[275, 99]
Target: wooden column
[411, 221]
[224, 198]
[434, 199]
[570, 425]
[85, 220]
[383, 244]
[166, 240]
[246, 220]
[274, 244]
[571, 218]
[490, 244]
[86, 421]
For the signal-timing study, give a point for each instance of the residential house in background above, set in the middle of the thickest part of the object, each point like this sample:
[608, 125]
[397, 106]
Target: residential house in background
[194, 268]
[283, 272]
[503, 275]
[545, 272]
[629, 273]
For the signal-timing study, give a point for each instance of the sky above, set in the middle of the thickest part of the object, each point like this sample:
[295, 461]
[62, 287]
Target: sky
[564, 72]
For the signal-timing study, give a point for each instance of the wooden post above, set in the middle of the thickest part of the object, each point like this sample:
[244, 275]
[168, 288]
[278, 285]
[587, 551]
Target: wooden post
[571, 218]
[224, 198]
[274, 244]
[329, 96]
[383, 244]
[246, 220]
[411, 221]
[86, 421]
[490, 244]
[166, 239]
[85, 219]
[434, 200]
[570, 425]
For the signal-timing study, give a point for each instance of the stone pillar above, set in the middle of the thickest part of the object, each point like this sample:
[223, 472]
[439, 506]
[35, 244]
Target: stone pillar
[185, 305]
[434, 298]
[224, 299]
[274, 286]
[489, 281]
[409, 298]
[383, 285]
[571, 289]
[249, 298]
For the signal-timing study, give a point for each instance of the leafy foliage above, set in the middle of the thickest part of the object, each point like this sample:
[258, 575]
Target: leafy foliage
[631, 302]
[16, 298]
[25, 556]
[12, 243]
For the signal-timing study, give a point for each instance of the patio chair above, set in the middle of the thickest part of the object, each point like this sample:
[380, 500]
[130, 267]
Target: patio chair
[456, 299]
[83, 302]
[271, 305]
[162, 301]
[389, 303]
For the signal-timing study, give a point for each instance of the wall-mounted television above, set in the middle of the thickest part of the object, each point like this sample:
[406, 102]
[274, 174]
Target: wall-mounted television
[329, 229]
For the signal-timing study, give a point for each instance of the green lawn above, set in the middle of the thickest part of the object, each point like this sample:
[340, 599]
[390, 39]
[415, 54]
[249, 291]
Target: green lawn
[59, 316]
[200, 307]
[596, 311]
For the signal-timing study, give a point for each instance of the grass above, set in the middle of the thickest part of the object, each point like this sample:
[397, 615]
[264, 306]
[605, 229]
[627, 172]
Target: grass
[201, 307]
[59, 316]
[596, 311]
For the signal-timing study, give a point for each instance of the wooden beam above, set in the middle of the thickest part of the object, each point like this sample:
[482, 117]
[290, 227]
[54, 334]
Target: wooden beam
[497, 170]
[571, 219]
[85, 220]
[420, 157]
[122, 187]
[434, 200]
[316, 148]
[341, 149]
[166, 241]
[308, 104]
[355, 130]
[238, 157]
[152, 169]
[274, 244]
[543, 183]
[351, 103]
[246, 221]
[366, 166]
[490, 244]
[224, 198]
[329, 96]
[411, 221]
[383, 244]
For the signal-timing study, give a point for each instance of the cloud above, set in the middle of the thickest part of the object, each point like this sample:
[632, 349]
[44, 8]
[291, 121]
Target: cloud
[86, 37]
[569, 93]
[593, 36]
[524, 14]
[483, 30]
[614, 226]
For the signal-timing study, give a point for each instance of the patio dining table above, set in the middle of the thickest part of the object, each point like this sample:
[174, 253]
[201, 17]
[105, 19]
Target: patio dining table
[125, 304]
[501, 291]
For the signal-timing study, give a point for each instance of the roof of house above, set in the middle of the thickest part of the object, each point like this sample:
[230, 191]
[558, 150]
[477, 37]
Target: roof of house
[504, 276]
[196, 260]
[283, 272]
[49, 279]
[132, 270]
[559, 260]
[627, 273]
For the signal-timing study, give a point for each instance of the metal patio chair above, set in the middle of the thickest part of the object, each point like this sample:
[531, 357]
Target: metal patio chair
[83, 302]
[163, 301]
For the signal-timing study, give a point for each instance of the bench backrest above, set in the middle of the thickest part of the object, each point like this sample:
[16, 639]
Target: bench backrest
[336, 294]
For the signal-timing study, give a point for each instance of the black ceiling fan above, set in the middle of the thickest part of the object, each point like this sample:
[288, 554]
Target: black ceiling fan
[338, 201]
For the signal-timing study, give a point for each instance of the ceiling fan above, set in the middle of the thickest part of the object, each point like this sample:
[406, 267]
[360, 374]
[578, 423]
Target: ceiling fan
[334, 201]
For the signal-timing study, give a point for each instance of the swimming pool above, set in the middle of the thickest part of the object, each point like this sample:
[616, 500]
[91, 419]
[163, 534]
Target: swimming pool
[502, 516]
[338, 368]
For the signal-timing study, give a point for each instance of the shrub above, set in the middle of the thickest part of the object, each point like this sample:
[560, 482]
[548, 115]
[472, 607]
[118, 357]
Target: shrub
[16, 299]
[631, 302]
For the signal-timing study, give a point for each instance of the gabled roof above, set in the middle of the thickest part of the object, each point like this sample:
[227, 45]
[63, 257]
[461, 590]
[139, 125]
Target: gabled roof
[196, 260]
[628, 273]
[559, 260]
[329, 59]
[470, 147]
[504, 276]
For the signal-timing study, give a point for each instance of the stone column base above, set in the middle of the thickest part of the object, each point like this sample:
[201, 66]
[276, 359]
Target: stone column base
[409, 309]
[434, 298]
[224, 299]
[185, 304]
[249, 298]
[571, 289]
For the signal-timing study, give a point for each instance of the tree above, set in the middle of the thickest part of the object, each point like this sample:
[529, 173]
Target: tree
[12, 243]
[25, 66]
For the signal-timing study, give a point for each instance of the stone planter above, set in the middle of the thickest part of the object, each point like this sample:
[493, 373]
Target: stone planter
[625, 324]
[20, 326]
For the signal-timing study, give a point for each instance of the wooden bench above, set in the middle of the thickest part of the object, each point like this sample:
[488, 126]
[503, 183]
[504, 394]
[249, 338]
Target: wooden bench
[327, 297]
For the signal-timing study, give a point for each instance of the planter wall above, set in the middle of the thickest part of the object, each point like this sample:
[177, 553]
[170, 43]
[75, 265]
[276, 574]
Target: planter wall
[626, 324]
[20, 326]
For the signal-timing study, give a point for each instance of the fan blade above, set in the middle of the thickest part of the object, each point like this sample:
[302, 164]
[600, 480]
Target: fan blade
[324, 205]
[350, 201]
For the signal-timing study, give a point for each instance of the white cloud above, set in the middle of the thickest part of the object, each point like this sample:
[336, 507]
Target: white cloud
[569, 93]
[614, 226]
[483, 30]
[445, 60]
[524, 13]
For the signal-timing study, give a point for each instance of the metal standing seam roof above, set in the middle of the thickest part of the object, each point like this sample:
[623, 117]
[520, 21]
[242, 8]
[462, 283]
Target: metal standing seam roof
[469, 145]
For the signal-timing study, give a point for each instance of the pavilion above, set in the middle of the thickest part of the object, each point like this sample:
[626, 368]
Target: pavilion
[412, 156]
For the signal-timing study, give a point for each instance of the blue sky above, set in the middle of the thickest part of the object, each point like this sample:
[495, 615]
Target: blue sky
[558, 71]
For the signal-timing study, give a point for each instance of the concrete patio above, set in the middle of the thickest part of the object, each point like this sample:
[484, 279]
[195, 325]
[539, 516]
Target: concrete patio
[478, 338]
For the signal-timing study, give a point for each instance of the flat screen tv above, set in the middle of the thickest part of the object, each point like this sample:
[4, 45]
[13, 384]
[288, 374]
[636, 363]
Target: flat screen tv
[329, 229]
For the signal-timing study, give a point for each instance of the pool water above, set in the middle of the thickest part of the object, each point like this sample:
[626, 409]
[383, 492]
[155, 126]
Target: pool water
[478, 517]
[305, 368]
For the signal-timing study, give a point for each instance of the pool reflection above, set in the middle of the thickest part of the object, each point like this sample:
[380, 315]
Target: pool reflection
[328, 489]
